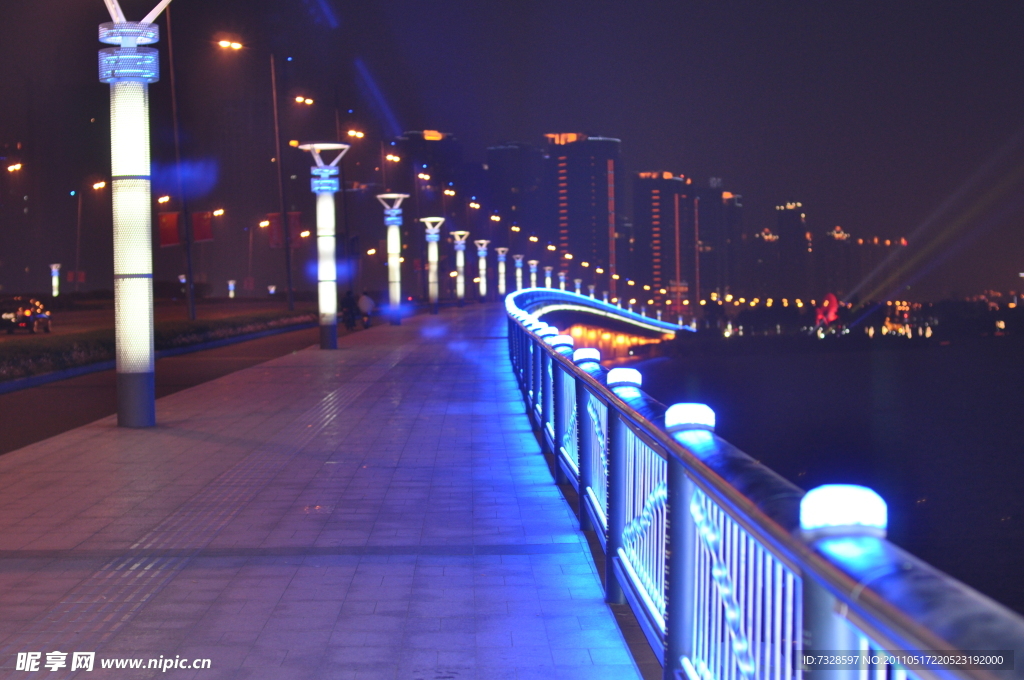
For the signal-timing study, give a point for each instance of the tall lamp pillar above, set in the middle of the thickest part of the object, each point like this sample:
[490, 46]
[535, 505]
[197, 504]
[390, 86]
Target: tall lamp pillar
[460, 264]
[55, 280]
[393, 220]
[561, 280]
[481, 254]
[578, 283]
[533, 272]
[129, 69]
[519, 271]
[433, 225]
[324, 184]
[502, 254]
[547, 276]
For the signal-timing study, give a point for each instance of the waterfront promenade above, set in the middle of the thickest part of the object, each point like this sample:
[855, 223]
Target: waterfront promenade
[380, 511]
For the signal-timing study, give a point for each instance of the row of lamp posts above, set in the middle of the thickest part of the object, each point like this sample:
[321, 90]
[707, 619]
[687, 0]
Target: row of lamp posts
[129, 67]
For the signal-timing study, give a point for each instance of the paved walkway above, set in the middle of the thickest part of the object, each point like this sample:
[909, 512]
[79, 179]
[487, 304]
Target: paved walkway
[381, 511]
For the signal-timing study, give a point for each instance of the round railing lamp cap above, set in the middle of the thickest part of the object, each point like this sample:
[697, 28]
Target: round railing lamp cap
[624, 376]
[586, 354]
[843, 510]
[689, 416]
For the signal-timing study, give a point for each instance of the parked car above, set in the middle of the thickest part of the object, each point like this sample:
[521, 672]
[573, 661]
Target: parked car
[22, 312]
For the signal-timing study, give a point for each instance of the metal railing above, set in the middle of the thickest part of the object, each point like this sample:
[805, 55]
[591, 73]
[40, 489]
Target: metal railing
[732, 571]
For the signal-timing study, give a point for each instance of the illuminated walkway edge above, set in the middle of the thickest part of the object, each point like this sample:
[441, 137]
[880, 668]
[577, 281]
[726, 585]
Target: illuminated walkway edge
[380, 511]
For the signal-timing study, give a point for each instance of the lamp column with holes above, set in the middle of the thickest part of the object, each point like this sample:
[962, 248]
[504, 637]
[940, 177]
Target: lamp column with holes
[460, 265]
[129, 69]
[519, 271]
[393, 220]
[561, 280]
[481, 254]
[55, 280]
[433, 226]
[547, 276]
[324, 184]
[502, 254]
[533, 272]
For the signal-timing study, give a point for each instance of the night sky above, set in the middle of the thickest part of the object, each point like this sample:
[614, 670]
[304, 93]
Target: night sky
[887, 118]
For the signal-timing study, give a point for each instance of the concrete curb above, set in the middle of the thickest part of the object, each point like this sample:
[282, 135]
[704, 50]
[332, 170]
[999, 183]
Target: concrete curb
[37, 380]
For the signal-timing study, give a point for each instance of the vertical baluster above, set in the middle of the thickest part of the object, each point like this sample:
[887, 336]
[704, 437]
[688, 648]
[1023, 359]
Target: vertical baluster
[682, 559]
[585, 428]
[559, 411]
[616, 503]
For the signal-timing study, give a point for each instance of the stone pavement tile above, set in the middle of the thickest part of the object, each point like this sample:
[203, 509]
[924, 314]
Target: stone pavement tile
[329, 505]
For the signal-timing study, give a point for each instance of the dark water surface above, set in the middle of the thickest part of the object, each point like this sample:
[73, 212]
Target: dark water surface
[938, 431]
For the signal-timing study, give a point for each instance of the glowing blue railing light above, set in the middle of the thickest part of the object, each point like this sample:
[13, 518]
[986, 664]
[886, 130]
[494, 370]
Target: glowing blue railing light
[843, 510]
[547, 332]
[685, 416]
[560, 341]
[586, 354]
[624, 376]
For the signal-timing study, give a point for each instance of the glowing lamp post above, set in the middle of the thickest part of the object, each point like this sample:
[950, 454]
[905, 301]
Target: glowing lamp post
[324, 184]
[129, 69]
[561, 280]
[591, 287]
[231, 288]
[460, 264]
[433, 225]
[547, 276]
[55, 280]
[519, 271]
[393, 220]
[481, 254]
[502, 254]
[578, 283]
[533, 272]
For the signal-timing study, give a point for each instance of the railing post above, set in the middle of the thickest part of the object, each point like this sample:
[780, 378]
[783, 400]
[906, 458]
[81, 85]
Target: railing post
[680, 572]
[545, 394]
[682, 543]
[616, 504]
[830, 511]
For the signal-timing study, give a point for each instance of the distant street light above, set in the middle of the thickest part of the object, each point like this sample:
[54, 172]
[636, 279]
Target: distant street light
[433, 227]
[393, 221]
[502, 254]
[55, 280]
[128, 69]
[78, 233]
[481, 253]
[460, 265]
[533, 272]
[519, 271]
[14, 168]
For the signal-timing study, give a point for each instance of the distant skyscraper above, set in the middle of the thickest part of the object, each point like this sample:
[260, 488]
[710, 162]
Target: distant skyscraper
[795, 246]
[581, 186]
[659, 198]
[431, 152]
[515, 173]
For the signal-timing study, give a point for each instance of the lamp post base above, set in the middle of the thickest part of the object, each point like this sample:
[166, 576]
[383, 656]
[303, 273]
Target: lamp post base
[329, 336]
[136, 400]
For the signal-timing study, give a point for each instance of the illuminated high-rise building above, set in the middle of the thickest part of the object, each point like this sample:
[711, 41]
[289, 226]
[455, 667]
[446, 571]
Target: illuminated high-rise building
[659, 199]
[515, 173]
[795, 246]
[581, 182]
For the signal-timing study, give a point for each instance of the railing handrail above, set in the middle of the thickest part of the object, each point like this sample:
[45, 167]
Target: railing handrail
[898, 600]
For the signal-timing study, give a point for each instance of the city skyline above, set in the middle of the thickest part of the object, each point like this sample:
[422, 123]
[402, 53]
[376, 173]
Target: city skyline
[833, 115]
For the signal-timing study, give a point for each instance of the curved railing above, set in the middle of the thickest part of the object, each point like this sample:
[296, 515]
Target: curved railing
[541, 301]
[732, 571]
